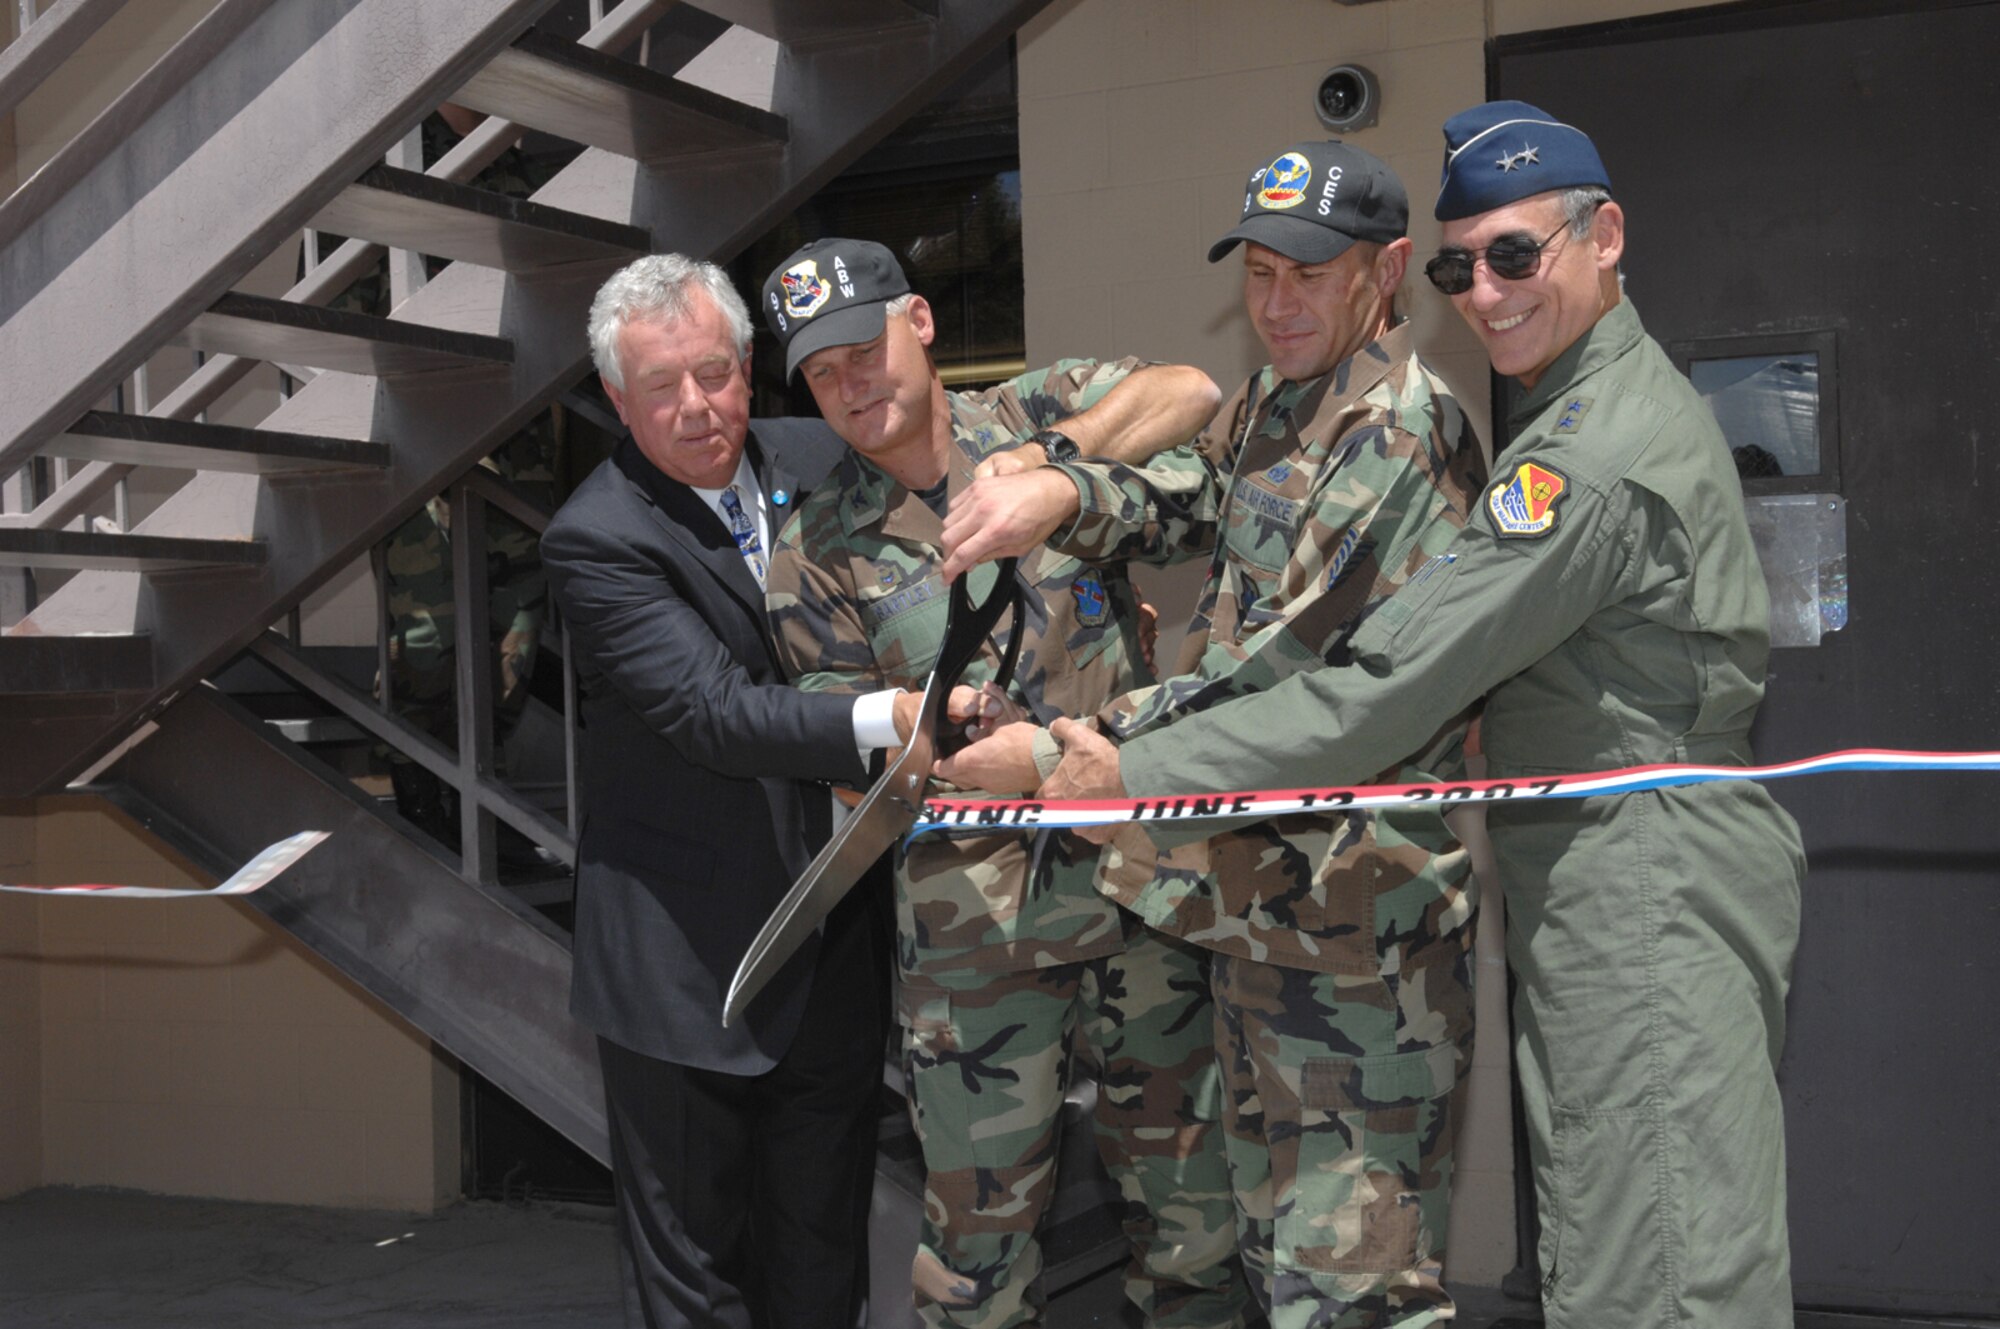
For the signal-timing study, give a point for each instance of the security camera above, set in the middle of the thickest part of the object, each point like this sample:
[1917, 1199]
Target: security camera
[1349, 98]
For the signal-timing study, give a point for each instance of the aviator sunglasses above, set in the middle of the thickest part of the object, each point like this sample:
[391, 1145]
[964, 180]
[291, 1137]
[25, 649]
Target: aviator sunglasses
[1513, 257]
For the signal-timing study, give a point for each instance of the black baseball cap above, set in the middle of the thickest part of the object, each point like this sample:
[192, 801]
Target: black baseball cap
[1314, 200]
[830, 293]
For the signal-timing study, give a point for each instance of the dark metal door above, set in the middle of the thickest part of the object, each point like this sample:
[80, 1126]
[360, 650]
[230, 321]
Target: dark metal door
[1826, 175]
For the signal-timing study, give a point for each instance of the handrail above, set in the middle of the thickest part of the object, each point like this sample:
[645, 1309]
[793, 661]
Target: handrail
[44, 44]
[413, 743]
[174, 70]
[468, 770]
[334, 274]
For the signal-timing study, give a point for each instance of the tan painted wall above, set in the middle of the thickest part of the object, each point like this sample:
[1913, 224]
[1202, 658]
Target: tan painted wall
[193, 1048]
[1140, 120]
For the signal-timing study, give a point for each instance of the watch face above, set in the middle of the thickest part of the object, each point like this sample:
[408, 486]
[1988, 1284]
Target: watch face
[1057, 447]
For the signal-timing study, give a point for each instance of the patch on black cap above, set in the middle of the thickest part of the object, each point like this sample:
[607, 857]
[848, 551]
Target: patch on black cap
[1314, 200]
[830, 293]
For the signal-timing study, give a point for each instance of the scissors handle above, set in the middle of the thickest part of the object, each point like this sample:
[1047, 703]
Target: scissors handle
[967, 627]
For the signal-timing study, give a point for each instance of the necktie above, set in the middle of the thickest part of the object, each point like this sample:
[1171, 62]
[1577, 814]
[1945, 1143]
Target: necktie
[745, 530]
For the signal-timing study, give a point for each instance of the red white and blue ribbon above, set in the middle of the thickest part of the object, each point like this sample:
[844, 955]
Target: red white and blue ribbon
[974, 816]
[258, 872]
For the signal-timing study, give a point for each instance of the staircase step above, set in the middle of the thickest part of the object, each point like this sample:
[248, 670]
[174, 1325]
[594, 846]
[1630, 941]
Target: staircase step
[76, 664]
[154, 440]
[75, 550]
[810, 22]
[607, 103]
[410, 210]
[287, 332]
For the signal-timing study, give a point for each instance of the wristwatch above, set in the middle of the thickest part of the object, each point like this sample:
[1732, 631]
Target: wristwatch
[1057, 446]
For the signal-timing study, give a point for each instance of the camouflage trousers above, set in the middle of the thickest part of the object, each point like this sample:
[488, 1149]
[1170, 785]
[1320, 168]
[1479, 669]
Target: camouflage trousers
[1340, 1100]
[988, 1061]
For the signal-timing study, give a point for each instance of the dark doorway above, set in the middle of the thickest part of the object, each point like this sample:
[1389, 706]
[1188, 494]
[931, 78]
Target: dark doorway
[1812, 198]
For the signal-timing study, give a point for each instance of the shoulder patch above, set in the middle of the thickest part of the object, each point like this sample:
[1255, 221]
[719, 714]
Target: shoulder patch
[1572, 415]
[1093, 603]
[1524, 506]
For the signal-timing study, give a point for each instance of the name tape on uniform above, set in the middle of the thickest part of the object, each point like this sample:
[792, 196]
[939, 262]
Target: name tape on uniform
[985, 815]
[258, 872]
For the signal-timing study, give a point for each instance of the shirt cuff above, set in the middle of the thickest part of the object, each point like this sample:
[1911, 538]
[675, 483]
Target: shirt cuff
[875, 720]
[1047, 753]
[1064, 536]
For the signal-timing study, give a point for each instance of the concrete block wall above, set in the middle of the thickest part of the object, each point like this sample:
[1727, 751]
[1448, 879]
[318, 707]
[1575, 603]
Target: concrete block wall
[1140, 122]
[191, 1047]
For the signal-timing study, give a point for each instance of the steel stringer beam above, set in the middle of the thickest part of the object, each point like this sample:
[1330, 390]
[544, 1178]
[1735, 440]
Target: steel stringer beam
[481, 975]
[838, 99]
[213, 178]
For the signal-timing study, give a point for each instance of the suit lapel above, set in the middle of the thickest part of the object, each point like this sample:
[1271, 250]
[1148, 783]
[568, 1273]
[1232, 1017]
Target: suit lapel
[692, 525]
[781, 487]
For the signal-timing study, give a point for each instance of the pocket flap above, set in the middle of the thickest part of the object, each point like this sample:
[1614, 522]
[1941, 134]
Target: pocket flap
[1400, 1079]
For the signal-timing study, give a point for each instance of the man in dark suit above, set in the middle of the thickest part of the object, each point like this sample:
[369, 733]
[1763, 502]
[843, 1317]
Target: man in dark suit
[743, 1157]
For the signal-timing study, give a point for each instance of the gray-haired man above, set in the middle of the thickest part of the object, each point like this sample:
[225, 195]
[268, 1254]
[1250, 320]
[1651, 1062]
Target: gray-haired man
[743, 1157]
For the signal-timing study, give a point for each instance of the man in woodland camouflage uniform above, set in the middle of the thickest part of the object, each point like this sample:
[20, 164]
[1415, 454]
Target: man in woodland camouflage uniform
[1343, 967]
[1004, 950]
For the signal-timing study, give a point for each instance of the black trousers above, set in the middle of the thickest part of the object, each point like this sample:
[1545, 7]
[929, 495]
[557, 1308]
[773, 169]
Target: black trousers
[743, 1200]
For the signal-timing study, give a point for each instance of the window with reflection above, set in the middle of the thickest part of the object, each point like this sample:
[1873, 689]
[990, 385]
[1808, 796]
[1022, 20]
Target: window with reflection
[1775, 396]
[1768, 407]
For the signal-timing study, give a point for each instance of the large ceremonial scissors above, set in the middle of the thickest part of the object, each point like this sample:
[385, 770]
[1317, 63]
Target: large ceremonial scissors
[891, 806]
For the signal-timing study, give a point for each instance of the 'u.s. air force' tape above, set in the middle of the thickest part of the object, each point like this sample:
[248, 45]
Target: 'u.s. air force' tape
[269, 862]
[961, 816]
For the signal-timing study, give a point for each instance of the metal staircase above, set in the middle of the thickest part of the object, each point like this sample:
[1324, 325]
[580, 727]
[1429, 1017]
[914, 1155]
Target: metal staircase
[272, 117]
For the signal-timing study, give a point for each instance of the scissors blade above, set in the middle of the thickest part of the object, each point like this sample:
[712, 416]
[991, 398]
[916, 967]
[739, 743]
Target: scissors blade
[888, 809]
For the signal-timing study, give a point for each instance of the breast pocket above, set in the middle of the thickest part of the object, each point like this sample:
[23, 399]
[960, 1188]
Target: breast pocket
[1263, 526]
[905, 624]
[1089, 609]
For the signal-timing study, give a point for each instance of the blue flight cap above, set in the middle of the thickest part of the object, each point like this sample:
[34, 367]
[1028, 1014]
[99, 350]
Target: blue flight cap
[1501, 152]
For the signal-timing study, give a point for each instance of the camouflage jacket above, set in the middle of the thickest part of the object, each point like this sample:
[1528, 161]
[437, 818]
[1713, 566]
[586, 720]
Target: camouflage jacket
[857, 605]
[1338, 491]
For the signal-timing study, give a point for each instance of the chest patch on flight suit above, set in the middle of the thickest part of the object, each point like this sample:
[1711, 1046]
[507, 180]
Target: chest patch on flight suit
[1093, 604]
[1524, 507]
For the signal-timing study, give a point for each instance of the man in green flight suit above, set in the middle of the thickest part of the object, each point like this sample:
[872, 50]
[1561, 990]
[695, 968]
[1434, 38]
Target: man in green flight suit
[1607, 601]
[1342, 973]
[1004, 950]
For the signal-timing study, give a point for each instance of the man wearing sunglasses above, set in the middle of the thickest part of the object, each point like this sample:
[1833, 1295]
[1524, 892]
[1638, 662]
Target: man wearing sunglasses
[1606, 600]
[1342, 965]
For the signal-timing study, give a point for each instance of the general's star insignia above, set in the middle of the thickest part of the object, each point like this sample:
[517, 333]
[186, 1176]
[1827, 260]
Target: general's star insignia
[1525, 157]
